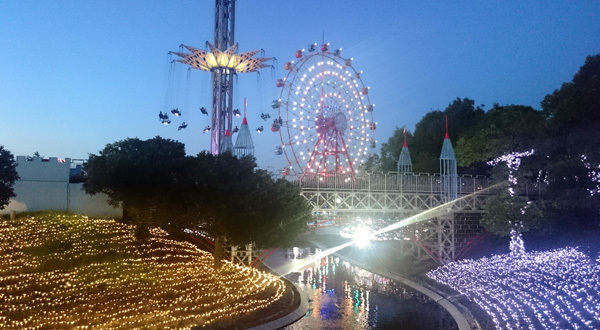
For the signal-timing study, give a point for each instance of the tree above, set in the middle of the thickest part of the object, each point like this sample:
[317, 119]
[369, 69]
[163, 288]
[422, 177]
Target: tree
[280, 215]
[232, 201]
[576, 105]
[426, 142]
[427, 145]
[429, 132]
[8, 176]
[504, 213]
[373, 164]
[227, 197]
[571, 146]
[501, 130]
[139, 176]
[566, 161]
[514, 206]
[390, 151]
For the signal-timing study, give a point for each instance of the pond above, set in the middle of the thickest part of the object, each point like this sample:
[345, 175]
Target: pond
[344, 296]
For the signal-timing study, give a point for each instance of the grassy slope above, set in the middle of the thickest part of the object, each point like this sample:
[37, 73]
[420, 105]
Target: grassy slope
[63, 271]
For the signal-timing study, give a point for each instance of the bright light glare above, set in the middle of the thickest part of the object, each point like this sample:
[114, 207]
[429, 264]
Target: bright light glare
[423, 216]
[362, 237]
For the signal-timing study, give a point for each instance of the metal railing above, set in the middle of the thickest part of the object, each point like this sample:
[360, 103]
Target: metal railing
[394, 182]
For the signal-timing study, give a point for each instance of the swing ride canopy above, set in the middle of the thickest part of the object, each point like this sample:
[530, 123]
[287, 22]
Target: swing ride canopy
[217, 59]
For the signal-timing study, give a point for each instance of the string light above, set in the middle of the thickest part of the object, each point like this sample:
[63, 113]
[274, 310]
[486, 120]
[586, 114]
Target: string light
[593, 174]
[513, 162]
[59, 271]
[558, 289]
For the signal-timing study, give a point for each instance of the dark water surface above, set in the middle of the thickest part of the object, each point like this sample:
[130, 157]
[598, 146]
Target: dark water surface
[343, 296]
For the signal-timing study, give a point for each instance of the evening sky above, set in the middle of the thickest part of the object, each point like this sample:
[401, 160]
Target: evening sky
[77, 75]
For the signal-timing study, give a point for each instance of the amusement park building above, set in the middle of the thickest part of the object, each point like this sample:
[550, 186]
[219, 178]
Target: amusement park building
[45, 184]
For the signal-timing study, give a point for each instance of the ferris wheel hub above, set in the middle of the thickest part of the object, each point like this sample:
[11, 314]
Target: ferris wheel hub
[341, 123]
[328, 124]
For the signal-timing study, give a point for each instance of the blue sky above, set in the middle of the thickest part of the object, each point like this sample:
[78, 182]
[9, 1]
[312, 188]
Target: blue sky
[76, 75]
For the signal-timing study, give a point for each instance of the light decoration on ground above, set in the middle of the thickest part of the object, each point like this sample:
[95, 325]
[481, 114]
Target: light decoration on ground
[593, 174]
[512, 161]
[558, 289]
[517, 245]
[73, 272]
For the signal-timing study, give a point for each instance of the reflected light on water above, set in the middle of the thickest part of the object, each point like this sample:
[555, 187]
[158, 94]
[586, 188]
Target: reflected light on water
[343, 296]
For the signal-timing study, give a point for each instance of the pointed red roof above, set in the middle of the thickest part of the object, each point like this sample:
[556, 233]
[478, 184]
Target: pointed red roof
[447, 136]
[405, 144]
[244, 121]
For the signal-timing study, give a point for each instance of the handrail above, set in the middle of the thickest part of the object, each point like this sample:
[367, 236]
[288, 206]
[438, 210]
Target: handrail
[394, 182]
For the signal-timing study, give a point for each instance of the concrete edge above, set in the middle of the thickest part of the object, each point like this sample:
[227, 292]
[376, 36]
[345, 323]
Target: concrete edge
[459, 318]
[290, 318]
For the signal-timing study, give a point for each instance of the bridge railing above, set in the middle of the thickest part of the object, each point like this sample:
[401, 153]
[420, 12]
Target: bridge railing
[394, 182]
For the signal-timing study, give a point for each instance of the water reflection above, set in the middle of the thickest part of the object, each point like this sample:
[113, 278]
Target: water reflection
[343, 296]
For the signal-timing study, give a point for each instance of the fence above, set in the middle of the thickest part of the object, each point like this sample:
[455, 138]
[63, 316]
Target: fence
[394, 182]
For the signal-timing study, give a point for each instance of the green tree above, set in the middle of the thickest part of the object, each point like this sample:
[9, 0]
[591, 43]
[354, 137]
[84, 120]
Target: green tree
[564, 135]
[504, 213]
[573, 121]
[139, 176]
[575, 107]
[8, 176]
[429, 133]
[390, 150]
[427, 145]
[501, 130]
[228, 198]
[426, 142]
[373, 164]
[232, 201]
[524, 210]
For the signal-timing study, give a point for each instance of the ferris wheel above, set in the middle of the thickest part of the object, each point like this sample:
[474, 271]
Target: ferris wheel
[325, 115]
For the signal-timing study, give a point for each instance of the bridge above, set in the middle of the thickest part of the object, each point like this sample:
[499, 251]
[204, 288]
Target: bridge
[392, 197]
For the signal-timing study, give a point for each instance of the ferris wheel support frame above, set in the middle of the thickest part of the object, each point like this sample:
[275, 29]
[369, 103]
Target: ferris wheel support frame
[326, 150]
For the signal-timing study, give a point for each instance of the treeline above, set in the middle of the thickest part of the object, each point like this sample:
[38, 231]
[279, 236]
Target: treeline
[224, 198]
[565, 137]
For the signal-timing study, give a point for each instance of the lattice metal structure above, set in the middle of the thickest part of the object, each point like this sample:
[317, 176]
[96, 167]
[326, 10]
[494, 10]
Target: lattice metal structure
[394, 205]
[404, 161]
[405, 166]
[226, 143]
[243, 144]
[388, 182]
[439, 235]
[448, 176]
[223, 63]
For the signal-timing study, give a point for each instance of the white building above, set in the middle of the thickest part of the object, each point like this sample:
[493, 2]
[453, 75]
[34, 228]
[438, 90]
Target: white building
[44, 185]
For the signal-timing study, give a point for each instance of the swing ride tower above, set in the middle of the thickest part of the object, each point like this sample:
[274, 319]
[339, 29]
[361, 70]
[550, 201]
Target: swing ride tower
[223, 63]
